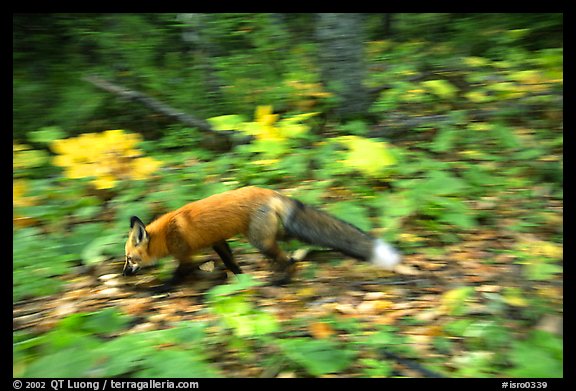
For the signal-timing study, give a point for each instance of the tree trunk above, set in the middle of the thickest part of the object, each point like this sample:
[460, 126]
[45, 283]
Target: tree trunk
[340, 41]
[387, 25]
[205, 51]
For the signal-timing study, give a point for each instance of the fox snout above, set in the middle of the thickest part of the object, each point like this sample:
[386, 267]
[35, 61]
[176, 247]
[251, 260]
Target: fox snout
[130, 268]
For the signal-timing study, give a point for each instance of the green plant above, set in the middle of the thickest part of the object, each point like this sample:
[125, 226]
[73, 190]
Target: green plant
[36, 263]
[539, 355]
[86, 345]
[437, 199]
[231, 302]
[317, 357]
[273, 137]
[539, 259]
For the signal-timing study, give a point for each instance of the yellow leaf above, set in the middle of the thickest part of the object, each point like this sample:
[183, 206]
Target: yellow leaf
[410, 238]
[367, 156]
[63, 160]
[19, 147]
[513, 297]
[128, 154]
[144, 166]
[306, 292]
[108, 156]
[527, 77]
[227, 122]
[479, 126]
[478, 97]
[453, 301]
[290, 130]
[19, 187]
[104, 182]
[78, 171]
[544, 249]
[19, 198]
[551, 250]
[62, 146]
[264, 115]
[265, 162]
[442, 88]
[121, 140]
[321, 330]
[85, 143]
[476, 61]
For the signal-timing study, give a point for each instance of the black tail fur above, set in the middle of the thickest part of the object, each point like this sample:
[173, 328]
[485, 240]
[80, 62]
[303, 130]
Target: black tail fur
[313, 226]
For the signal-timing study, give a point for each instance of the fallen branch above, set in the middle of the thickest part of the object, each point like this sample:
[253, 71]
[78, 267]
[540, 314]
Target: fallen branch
[151, 103]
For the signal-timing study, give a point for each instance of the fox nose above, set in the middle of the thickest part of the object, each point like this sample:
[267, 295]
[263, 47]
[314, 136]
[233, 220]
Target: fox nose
[130, 268]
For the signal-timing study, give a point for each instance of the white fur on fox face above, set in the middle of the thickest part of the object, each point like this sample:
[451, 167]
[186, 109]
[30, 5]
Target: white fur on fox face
[384, 255]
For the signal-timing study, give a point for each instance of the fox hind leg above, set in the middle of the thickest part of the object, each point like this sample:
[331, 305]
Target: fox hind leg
[225, 253]
[263, 232]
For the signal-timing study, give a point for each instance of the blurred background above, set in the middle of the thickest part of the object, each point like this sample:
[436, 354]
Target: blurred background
[440, 132]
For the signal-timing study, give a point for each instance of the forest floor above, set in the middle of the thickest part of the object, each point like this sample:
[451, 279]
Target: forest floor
[346, 289]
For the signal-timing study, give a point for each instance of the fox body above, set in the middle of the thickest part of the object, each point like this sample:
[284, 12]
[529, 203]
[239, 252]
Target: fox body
[264, 216]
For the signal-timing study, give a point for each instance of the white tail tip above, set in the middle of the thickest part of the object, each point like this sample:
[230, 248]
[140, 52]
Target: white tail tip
[384, 255]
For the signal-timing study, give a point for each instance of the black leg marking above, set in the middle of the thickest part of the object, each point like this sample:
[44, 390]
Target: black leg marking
[225, 253]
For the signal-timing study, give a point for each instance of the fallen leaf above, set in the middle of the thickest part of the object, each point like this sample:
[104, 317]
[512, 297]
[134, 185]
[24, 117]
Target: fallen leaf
[141, 327]
[382, 305]
[488, 288]
[374, 295]
[64, 309]
[427, 315]
[551, 323]
[345, 308]
[366, 308]
[108, 292]
[453, 301]
[300, 254]
[406, 270]
[107, 277]
[207, 266]
[112, 282]
[136, 306]
[306, 292]
[320, 330]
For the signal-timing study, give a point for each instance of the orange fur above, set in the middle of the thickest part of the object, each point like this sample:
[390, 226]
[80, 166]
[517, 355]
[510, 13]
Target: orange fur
[263, 216]
[205, 222]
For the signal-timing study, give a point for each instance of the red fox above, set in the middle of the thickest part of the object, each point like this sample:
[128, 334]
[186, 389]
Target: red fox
[263, 216]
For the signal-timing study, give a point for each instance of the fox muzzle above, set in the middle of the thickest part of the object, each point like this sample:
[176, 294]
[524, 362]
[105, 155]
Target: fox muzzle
[130, 268]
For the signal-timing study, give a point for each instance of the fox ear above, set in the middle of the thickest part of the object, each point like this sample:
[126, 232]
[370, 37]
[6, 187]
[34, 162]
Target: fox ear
[137, 230]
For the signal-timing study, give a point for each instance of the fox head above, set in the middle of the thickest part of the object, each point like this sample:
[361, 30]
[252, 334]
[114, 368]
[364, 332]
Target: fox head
[136, 248]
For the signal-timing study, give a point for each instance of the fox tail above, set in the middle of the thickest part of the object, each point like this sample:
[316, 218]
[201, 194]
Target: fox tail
[313, 226]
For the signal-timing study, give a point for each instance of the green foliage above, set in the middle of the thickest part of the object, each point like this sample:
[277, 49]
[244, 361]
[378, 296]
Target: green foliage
[80, 346]
[101, 248]
[46, 135]
[317, 357]
[436, 198]
[37, 259]
[176, 364]
[540, 355]
[351, 212]
[273, 138]
[491, 348]
[231, 303]
[455, 301]
[441, 88]
[539, 259]
[376, 368]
